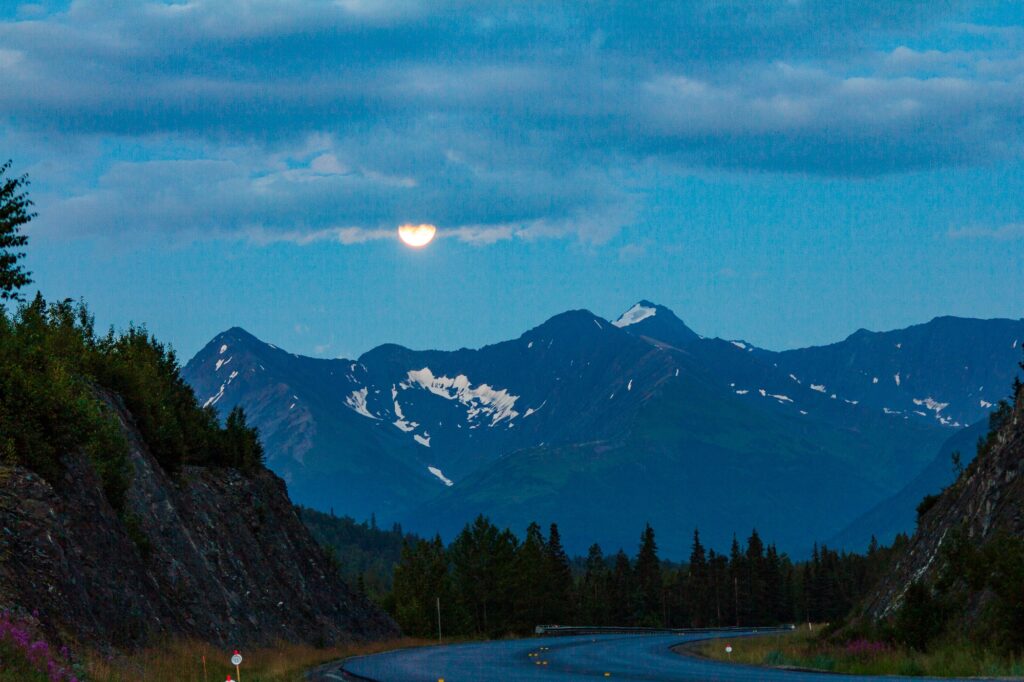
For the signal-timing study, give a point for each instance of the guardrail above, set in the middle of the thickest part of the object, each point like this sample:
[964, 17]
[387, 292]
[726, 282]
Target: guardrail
[602, 630]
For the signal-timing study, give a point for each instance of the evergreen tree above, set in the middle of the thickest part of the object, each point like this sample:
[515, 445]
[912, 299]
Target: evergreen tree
[559, 579]
[421, 578]
[753, 597]
[736, 569]
[530, 581]
[593, 593]
[15, 213]
[482, 558]
[240, 443]
[718, 570]
[648, 576]
[699, 588]
[621, 592]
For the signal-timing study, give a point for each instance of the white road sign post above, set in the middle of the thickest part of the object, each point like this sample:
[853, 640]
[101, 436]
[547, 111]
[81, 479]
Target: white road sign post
[236, 660]
[728, 649]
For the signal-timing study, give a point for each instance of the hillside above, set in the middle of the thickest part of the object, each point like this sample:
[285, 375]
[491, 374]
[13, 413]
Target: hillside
[963, 569]
[133, 517]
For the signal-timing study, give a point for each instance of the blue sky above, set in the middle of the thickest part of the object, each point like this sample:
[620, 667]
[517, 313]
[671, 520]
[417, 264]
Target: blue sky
[784, 171]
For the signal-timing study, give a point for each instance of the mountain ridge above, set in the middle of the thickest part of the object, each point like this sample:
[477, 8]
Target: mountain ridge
[434, 418]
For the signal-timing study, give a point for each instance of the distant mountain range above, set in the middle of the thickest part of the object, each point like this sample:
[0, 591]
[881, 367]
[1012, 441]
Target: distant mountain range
[604, 425]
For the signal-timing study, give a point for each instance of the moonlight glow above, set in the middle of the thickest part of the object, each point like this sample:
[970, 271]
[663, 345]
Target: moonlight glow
[416, 236]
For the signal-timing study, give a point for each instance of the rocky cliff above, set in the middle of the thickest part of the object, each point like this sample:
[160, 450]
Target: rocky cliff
[208, 553]
[984, 505]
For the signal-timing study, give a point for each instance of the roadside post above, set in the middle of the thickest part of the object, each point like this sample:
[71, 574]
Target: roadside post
[236, 660]
[728, 650]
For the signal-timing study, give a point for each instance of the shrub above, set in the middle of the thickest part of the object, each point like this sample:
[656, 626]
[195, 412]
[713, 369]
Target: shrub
[920, 618]
[52, 366]
[925, 505]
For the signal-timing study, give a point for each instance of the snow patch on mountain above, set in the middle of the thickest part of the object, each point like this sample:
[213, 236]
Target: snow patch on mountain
[638, 313]
[498, 404]
[423, 440]
[530, 410]
[220, 363]
[896, 378]
[223, 349]
[932, 404]
[437, 472]
[357, 402]
[739, 344]
[820, 388]
[401, 422]
[212, 400]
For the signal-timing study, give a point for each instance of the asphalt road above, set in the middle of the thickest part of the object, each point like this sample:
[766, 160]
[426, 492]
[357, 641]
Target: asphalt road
[627, 658]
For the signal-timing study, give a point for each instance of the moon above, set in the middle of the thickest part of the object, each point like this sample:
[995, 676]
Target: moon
[416, 236]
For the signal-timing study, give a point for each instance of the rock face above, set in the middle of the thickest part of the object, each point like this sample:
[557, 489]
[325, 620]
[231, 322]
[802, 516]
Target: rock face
[985, 502]
[208, 553]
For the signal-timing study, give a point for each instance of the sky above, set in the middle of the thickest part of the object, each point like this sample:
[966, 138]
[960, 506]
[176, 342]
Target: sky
[784, 172]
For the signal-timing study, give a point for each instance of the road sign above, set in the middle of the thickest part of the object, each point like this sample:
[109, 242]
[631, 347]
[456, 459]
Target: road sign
[728, 648]
[236, 659]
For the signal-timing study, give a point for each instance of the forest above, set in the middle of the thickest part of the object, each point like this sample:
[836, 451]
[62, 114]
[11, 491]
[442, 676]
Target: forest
[492, 583]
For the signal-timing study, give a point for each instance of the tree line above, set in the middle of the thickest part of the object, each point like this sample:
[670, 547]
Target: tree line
[491, 583]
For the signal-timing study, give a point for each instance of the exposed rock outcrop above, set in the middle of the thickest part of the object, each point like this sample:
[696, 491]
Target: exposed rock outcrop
[986, 502]
[209, 553]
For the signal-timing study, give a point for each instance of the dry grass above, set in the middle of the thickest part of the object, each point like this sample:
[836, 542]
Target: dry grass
[182, 661]
[803, 649]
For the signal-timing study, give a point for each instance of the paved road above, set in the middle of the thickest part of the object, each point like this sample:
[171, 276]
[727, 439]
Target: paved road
[626, 658]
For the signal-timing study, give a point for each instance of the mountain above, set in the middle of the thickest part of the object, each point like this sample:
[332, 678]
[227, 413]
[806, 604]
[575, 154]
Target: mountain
[897, 514]
[951, 370]
[212, 554]
[631, 420]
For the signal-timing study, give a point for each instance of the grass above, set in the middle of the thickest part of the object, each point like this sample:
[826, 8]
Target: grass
[804, 649]
[182, 661]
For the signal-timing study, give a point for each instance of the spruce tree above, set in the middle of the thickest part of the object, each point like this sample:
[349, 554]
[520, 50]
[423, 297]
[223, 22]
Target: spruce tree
[529, 593]
[482, 562]
[733, 587]
[15, 213]
[559, 579]
[648, 575]
[621, 592]
[698, 584]
[753, 595]
[420, 579]
[593, 590]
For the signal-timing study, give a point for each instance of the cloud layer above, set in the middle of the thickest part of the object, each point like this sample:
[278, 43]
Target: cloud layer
[305, 121]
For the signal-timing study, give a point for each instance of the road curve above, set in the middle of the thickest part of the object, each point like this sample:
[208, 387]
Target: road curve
[626, 658]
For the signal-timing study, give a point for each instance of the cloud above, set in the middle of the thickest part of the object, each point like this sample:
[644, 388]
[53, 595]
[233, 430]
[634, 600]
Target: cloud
[1007, 232]
[316, 120]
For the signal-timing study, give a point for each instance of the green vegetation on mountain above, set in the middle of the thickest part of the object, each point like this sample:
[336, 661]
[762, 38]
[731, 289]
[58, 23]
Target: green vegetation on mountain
[365, 554]
[57, 376]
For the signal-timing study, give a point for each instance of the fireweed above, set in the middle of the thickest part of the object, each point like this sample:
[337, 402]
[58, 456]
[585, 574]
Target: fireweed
[56, 665]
